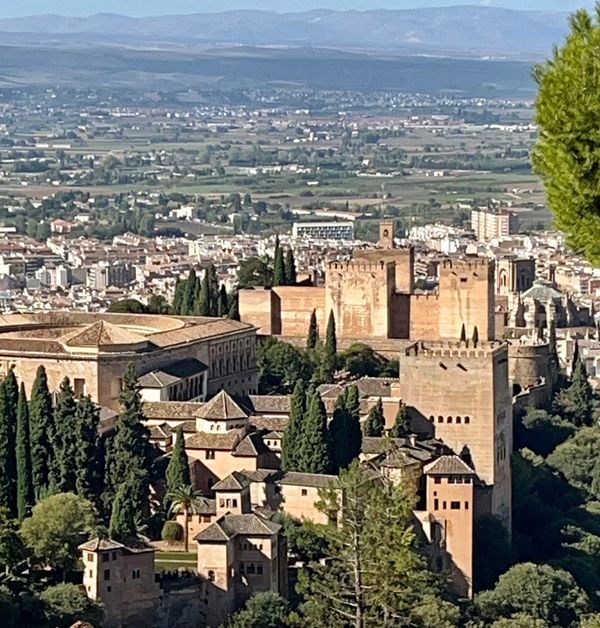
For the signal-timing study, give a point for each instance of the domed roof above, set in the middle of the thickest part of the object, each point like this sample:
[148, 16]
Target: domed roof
[542, 290]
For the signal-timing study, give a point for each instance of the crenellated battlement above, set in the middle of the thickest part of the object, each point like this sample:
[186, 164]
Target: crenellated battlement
[453, 349]
[432, 296]
[360, 266]
[463, 264]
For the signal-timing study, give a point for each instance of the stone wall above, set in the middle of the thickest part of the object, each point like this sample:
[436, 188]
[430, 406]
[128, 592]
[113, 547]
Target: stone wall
[360, 295]
[467, 297]
[256, 308]
[531, 365]
[295, 305]
[404, 260]
[424, 316]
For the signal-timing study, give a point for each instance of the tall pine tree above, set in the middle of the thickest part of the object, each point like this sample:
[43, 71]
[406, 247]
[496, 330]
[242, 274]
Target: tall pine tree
[129, 454]
[293, 431]
[290, 268]
[89, 458]
[313, 332]
[64, 441]
[178, 470]
[8, 470]
[25, 496]
[314, 450]
[375, 423]
[330, 355]
[278, 265]
[41, 421]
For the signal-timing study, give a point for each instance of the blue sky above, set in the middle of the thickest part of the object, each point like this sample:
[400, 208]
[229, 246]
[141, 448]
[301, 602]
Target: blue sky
[11, 8]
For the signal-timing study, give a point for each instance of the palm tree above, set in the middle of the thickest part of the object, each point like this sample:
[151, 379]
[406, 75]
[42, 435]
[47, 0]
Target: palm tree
[189, 501]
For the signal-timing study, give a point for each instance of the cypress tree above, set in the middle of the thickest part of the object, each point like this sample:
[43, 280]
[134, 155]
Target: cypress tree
[577, 401]
[330, 356]
[313, 332]
[129, 454]
[234, 308]
[213, 290]
[575, 359]
[222, 302]
[290, 268]
[11, 387]
[122, 519]
[25, 497]
[475, 336]
[463, 334]
[293, 431]
[203, 303]
[353, 401]
[8, 471]
[41, 423]
[180, 286]
[278, 265]
[339, 436]
[64, 441]
[314, 451]
[189, 294]
[89, 455]
[345, 434]
[375, 423]
[352, 405]
[402, 423]
[178, 470]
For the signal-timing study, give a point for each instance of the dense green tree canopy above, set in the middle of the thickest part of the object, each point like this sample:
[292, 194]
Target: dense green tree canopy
[57, 526]
[66, 604]
[567, 155]
[538, 591]
[263, 610]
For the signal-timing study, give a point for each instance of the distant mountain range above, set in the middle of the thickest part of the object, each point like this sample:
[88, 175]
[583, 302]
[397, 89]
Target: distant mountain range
[472, 31]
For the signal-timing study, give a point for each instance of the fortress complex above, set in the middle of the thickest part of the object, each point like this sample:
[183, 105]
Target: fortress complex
[372, 297]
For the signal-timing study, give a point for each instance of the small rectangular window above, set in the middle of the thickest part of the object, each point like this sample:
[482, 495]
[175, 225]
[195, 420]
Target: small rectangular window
[259, 570]
[114, 555]
[466, 505]
[304, 492]
[437, 480]
[234, 503]
[105, 557]
[107, 574]
[454, 505]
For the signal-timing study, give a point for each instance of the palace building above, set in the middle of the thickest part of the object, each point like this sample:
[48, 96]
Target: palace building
[176, 358]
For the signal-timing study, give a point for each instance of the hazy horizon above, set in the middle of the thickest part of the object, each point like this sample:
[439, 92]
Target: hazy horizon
[133, 8]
